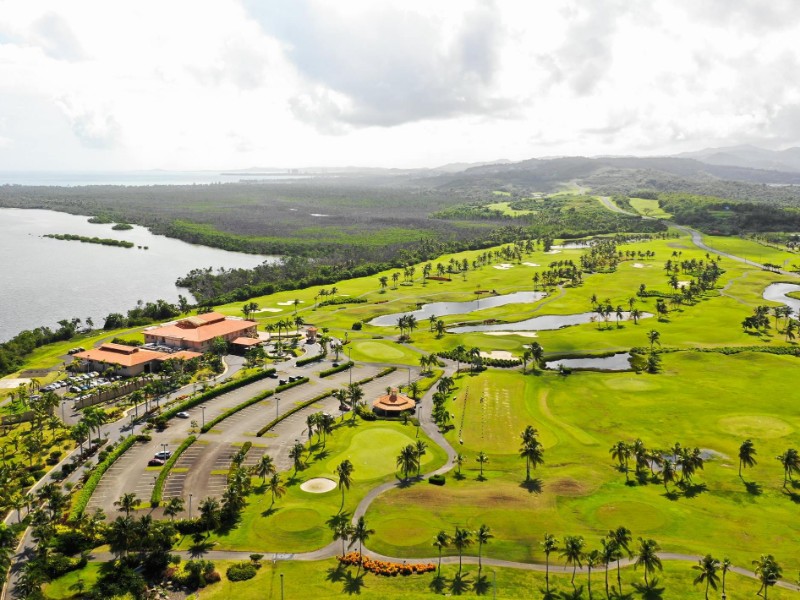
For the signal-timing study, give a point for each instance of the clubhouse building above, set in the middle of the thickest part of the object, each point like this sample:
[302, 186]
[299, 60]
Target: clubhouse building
[128, 361]
[197, 333]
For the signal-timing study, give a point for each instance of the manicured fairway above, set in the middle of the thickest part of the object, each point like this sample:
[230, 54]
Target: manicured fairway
[649, 208]
[703, 400]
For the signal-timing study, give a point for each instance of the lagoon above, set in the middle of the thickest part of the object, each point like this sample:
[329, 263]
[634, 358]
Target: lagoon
[44, 280]
[542, 323]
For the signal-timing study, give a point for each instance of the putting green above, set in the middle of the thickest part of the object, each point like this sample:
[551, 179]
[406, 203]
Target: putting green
[406, 532]
[298, 519]
[756, 426]
[373, 452]
[382, 351]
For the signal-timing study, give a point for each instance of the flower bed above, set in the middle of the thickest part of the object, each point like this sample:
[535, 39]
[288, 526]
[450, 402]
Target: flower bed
[386, 568]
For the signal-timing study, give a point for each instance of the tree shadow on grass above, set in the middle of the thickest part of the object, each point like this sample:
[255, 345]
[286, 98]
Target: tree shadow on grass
[753, 488]
[353, 583]
[534, 486]
[337, 573]
[551, 595]
[294, 479]
[322, 454]
[694, 489]
[460, 584]
[649, 592]
[671, 495]
[576, 594]
[459, 476]
[199, 548]
[481, 585]
[793, 496]
[270, 511]
[438, 584]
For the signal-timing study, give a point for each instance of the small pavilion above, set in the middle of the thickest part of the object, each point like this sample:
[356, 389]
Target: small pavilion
[392, 404]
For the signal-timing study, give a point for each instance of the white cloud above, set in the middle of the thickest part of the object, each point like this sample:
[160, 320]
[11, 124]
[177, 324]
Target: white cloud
[222, 84]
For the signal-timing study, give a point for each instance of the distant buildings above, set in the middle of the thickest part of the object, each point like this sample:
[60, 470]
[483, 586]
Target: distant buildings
[127, 360]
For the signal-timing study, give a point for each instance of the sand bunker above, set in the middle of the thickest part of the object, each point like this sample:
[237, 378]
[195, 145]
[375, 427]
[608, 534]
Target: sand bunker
[318, 485]
[270, 310]
[683, 284]
[527, 264]
[638, 266]
[289, 303]
[8, 384]
[503, 266]
[498, 354]
[553, 252]
[527, 334]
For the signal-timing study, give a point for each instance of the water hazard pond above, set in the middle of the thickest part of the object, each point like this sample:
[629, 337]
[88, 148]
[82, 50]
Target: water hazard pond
[777, 293]
[615, 362]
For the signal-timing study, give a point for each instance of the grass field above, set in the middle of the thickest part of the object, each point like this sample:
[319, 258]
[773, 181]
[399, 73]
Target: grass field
[649, 208]
[322, 580]
[700, 399]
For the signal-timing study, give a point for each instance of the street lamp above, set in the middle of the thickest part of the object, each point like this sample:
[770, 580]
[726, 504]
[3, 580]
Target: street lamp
[494, 586]
[190, 506]
[281, 586]
[277, 406]
[164, 448]
[350, 360]
[203, 408]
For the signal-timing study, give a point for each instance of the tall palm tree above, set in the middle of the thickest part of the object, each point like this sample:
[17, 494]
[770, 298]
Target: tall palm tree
[725, 565]
[482, 458]
[421, 447]
[127, 503]
[610, 551]
[573, 553]
[264, 467]
[407, 460]
[790, 460]
[768, 572]
[442, 540]
[533, 453]
[360, 534]
[276, 487]
[174, 507]
[621, 452]
[356, 394]
[459, 460]
[647, 557]
[344, 471]
[654, 337]
[550, 544]
[593, 559]
[341, 527]
[483, 535]
[296, 454]
[668, 473]
[462, 539]
[707, 567]
[621, 537]
[747, 455]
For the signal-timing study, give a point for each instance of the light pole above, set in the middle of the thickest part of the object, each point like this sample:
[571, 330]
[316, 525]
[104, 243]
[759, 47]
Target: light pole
[277, 406]
[409, 376]
[203, 408]
[190, 506]
[281, 586]
[350, 369]
[62, 409]
[164, 448]
[494, 586]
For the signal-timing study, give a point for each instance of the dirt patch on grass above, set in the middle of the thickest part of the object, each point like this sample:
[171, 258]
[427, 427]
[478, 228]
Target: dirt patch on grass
[568, 487]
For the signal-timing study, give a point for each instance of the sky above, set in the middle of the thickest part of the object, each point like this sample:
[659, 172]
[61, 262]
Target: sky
[227, 84]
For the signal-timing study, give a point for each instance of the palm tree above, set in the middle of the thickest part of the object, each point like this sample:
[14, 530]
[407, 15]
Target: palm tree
[482, 459]
[462, 539]
[610, 553]
[654, 338]
[356, 394]
[668, 473]
[345, 473]
[791, 464]
[407, 460]
[127, 503]
[768, 572]
[421, 448]
[725, 565]
[707, 567]
[296, 454]
[341, 528]
[210, 513]
[360, 533]
[621, 537]
[483, 535]
[550, 544]
[621, 452]
[276, 487]
[593, 559]
[174, 507]
[573, 553]
[459, 460]
[747, 453]
[442, 540]
[647, 557]
[264, 467]
[533, 453]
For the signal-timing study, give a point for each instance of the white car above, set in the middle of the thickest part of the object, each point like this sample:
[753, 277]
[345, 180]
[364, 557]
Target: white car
[183, 415]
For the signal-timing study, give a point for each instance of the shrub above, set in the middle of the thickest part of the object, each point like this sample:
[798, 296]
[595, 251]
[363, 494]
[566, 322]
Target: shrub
[336, 369]
[357, 326]
[241, 571]
[310, 359]
[437, 479]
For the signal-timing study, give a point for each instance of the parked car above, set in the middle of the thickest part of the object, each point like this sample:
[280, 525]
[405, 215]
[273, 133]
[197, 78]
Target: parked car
[155, 462]
[183, 415]
[163, 455]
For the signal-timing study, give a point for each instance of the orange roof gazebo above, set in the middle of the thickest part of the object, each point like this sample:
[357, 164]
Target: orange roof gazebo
[393, 403]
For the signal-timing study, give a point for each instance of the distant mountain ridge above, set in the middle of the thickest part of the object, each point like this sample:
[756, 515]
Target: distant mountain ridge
[749, 156]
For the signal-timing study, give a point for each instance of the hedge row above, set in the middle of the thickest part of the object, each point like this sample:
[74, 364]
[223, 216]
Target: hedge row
[340, 368]
[216, 391]
[83, 497]
[303, 405]
[254, 400]
[336, 301]
[158, 488]
[310, 359]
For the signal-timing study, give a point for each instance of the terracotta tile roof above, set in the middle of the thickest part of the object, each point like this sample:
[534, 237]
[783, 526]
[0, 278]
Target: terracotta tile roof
[201, 333]
[394, 401]
[181, 355]
[117, 354]
[246, 341]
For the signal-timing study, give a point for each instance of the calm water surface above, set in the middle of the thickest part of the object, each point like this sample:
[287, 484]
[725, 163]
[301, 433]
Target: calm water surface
[777, 293]
[44, 280]
[615, 362]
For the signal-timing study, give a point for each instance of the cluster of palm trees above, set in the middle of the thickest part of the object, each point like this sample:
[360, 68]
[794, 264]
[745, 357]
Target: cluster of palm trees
[323, 292]
[410, 458]
[249, 309]
[352, 395]
[758, 321]
[440, 413]
[615, 546]
[677, 459]
[462, 539]
[343, 529]
[406, 323]
[428, 362]
[285, 325]
[534, 354]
